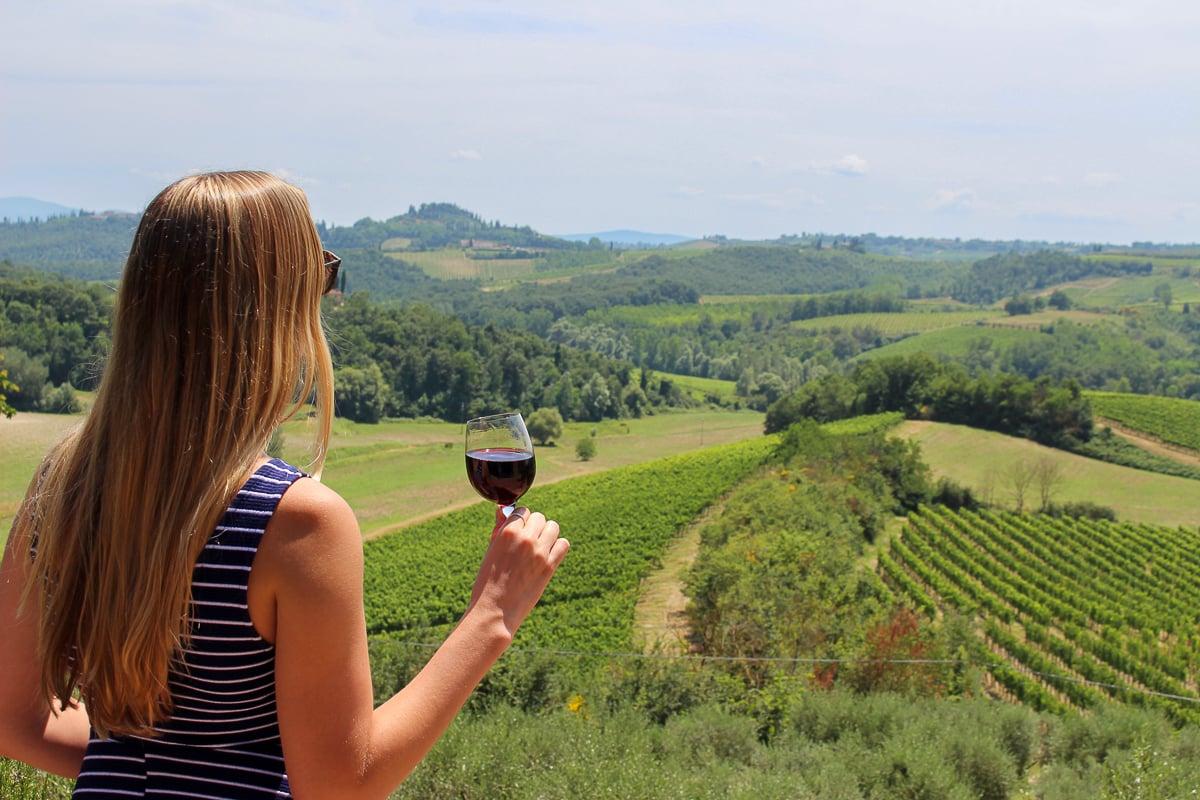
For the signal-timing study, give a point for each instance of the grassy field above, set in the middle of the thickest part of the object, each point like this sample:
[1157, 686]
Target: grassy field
[453, 264]
[701, 388]
[981, 459]
[909, 322]
[953, 342]
[1162, 264]
[403, 471]
[1132, 291]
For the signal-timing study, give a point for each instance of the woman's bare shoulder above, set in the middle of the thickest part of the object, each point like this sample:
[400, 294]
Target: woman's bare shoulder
[312, 521]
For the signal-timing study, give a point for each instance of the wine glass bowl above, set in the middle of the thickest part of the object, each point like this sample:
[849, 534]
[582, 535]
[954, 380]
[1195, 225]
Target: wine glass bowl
[500, 461]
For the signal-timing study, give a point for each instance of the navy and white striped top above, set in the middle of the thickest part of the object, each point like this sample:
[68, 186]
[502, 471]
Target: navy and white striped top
[222, 740]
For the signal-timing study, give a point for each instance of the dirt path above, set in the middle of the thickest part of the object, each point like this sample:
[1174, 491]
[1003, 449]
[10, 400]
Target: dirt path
[1150, 443]
[659, 621]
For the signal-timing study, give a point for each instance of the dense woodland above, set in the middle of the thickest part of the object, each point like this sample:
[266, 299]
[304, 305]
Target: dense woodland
[412, 345]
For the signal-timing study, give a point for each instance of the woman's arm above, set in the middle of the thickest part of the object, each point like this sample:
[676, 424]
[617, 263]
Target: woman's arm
[29, 730]
[306, 597]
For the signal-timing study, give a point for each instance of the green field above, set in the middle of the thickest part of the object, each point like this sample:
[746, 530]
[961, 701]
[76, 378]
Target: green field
[1132, 291]
[701, 388]
[904, 323]
[954, 342]
[401, 471]
[983, 460]
[455, 264]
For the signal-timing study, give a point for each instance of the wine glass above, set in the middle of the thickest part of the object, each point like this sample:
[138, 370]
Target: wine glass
[500, 463]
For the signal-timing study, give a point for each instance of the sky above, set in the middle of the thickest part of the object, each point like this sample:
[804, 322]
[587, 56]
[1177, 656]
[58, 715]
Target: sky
[1056, 120]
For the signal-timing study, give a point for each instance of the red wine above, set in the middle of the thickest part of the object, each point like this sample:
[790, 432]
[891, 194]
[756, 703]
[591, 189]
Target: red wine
[501, 474]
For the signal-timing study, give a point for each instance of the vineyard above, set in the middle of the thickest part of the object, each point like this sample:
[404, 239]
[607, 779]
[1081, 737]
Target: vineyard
[1073, 613]
[1171, 419]
[903, 323]
[418, 580]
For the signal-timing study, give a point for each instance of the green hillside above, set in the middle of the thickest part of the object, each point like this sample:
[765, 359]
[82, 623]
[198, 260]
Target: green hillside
[1074, 613]
[984, 460]
[1170, 419]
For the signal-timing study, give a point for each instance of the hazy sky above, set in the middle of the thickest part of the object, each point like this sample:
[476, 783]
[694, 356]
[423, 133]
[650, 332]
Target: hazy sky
[1071, 120]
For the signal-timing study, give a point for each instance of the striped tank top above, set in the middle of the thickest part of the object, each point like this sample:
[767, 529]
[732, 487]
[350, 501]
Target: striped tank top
[222, 740]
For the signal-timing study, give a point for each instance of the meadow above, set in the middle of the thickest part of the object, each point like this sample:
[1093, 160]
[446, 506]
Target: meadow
[955, 342]
[902, 324]
[984, 461]
[495, 268]
[401, 471]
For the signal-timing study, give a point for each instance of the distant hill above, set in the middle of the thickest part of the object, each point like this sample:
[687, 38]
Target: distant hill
[30, 208]
[629, 238]
[87, 246]
[434, 225]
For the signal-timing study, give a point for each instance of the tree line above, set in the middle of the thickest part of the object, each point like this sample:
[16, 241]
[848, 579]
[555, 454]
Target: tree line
[1009, 275]
[922, 387]
[416, 361]
[391, 361]
[54, 333]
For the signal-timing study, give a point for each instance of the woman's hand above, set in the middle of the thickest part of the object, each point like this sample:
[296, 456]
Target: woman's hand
[525, 551]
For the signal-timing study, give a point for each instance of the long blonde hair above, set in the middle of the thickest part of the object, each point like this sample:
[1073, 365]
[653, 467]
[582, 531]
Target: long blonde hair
[217, 339]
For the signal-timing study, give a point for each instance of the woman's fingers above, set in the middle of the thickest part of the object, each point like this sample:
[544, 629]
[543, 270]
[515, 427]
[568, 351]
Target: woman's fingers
[535, 524]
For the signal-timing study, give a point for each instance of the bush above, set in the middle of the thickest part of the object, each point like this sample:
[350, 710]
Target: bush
[955, 496]
[545, 425]
[585, 449]
[60, 400]
[27, 377]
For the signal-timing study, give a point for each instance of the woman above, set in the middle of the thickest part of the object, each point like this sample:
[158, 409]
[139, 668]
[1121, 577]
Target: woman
[182, 616]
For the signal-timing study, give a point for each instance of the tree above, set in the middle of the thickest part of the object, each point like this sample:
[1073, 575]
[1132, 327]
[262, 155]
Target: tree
[1021, 475]
[1060, 300]
[6, 386]
[1162, 293]
[1048, 474]
[585, 448]
[545, 425]
[360, 394]
[595, 398]
[1020, 304]
[28, 373]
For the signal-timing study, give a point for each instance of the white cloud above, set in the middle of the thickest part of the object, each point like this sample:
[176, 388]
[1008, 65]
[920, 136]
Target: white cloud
[294, 177]
[850, 166]
[689, 191]
[953, 200]
[465, 155]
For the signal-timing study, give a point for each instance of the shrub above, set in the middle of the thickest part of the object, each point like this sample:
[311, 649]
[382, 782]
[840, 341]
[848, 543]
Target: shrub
[585, 449]
[545, 425]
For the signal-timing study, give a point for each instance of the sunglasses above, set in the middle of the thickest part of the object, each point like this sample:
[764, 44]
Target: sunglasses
[332, 262]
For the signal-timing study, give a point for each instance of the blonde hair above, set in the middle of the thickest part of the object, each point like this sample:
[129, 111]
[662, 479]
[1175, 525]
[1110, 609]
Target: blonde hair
[217, 339]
